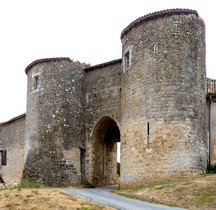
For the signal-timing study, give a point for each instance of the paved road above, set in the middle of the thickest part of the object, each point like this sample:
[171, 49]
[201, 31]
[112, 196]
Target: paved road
[104, 196]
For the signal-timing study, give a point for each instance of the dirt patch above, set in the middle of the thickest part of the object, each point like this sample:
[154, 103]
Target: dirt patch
[197, 192]
[43, 198]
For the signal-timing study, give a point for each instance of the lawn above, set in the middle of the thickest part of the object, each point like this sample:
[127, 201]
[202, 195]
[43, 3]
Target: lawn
[43, 199]
[196, 192]
[193, 193]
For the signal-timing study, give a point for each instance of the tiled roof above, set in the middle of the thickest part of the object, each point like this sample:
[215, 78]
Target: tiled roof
[156, 15]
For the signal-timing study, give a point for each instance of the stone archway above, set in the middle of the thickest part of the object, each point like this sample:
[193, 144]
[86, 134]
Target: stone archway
[105, 137]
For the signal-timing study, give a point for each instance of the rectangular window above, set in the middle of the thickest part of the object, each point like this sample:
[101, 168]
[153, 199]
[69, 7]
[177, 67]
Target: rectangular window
[127, 59]
[36, 82]
[3, 159]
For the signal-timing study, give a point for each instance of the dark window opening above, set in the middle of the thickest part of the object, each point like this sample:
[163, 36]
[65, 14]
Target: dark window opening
[36, 82]
[82, 162]
[148, 132]
[127, 59]
[3, 160]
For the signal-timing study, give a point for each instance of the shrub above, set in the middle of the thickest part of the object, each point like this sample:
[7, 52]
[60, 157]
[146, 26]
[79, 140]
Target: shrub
[211, 168]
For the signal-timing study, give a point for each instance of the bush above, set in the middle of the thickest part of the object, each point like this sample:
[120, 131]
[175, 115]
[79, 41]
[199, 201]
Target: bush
[211, 168]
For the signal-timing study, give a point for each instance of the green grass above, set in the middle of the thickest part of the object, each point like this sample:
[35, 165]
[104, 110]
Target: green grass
[25, 183]
[164, 186]
[205, 199]
[10, 205]
[7, 194]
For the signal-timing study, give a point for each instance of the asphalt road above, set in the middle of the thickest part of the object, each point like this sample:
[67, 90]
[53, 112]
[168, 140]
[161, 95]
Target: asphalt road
[103, 196]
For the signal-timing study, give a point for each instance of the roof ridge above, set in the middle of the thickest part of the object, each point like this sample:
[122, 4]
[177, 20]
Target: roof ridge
[13, 119]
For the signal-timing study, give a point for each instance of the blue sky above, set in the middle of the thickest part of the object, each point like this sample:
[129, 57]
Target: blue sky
[84, 30]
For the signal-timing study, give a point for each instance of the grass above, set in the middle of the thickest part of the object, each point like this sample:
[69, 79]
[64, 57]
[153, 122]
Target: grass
[26, 183]
[197, 192]
[205, 199]
[193, 193]
[30, 195]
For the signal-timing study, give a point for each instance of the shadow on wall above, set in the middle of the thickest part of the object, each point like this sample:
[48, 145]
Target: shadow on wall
[105, 137]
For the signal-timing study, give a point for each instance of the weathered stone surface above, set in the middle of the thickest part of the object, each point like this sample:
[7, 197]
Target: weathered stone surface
[211, 121]
[103, 93]
[163, 99]
[55, 123]
[12, 141]
[153, 100]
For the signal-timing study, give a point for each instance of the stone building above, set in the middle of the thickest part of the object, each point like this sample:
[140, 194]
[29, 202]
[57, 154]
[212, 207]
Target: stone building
[152, 100]
[211, 120]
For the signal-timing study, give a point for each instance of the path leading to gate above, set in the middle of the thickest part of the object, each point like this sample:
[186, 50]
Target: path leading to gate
[104, 196]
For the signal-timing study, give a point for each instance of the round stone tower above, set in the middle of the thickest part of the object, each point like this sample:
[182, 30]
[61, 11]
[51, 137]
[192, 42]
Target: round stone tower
[54, 122]
[163, 129]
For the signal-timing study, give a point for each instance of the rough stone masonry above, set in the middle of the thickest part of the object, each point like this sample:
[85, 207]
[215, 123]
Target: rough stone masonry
[152, 100]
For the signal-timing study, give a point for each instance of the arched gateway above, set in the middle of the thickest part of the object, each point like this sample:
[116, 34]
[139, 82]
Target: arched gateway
[105, 136]
[156, 93]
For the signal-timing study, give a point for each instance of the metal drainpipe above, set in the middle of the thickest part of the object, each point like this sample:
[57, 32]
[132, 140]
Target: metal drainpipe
[209, 125]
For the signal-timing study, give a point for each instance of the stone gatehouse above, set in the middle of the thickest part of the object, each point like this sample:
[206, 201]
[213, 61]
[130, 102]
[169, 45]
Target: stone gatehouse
[152, 100]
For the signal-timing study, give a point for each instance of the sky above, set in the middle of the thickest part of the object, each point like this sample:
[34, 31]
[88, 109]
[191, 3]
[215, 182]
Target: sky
[84, 30]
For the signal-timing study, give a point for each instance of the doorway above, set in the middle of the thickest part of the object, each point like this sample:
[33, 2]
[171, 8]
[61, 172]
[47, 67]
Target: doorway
[105, 137]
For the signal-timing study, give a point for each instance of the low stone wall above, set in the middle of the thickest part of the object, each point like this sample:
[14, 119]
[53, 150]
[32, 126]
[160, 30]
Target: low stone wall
[12, 141]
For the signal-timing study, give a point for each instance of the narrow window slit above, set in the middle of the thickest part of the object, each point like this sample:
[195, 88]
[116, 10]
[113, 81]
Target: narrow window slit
[148, 128]
[127, 59]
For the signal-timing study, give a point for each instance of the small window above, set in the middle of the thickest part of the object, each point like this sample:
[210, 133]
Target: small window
[3, 157]
[36, 82]
[127, 59]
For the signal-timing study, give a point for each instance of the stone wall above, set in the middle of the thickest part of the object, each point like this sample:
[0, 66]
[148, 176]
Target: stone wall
[163, 97]
[12, 140]
[103, 95]
[55, 128]
[212, 122]
[153, 100]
